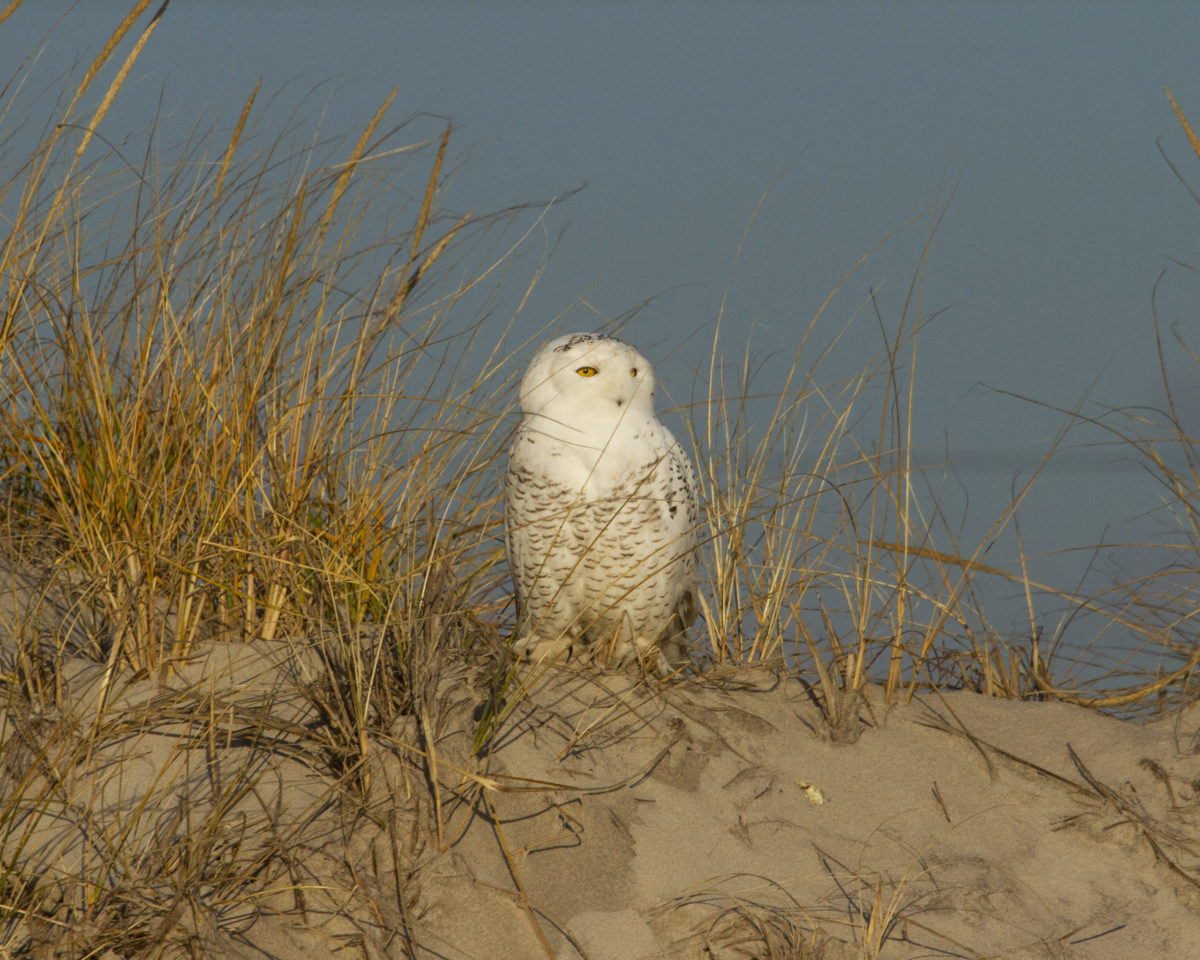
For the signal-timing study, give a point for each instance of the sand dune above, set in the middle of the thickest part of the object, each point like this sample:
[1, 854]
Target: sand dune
[611, 818]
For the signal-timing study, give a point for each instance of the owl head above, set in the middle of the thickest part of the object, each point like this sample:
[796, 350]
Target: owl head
[585, 378]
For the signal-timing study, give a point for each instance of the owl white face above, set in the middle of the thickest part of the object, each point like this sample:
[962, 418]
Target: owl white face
[585, 377]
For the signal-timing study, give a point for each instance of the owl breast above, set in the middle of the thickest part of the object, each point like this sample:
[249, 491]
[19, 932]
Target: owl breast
[603, 556]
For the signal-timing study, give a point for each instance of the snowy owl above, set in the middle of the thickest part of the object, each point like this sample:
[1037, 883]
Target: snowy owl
[600, 511]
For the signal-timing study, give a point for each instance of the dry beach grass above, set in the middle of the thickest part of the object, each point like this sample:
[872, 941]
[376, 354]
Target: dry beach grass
[254, 613]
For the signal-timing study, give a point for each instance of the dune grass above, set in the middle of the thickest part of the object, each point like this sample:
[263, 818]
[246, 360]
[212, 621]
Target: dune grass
[242, 405]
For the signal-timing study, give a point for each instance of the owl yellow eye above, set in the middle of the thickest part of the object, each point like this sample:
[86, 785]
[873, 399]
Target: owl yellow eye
[633, 372]
[587, 371]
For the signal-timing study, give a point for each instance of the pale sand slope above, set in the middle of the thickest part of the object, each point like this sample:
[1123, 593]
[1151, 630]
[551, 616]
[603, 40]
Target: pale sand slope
[642, 821]
[685, 825]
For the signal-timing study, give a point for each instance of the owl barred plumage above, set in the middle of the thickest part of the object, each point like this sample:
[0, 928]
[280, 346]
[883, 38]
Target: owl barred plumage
[600, 510]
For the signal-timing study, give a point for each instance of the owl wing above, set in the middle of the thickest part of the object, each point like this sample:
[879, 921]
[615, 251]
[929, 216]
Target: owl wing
[680, 494]
[676, 492]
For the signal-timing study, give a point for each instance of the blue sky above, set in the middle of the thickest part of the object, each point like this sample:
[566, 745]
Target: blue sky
[1039, 123]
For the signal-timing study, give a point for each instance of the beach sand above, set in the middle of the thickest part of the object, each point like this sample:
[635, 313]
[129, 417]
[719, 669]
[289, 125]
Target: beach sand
[612, 818]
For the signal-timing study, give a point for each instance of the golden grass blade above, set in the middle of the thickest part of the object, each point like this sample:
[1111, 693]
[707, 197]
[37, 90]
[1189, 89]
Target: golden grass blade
[109, 46]
[427, 200]
[119, 80]
[1135, 695]
[8, 260]
[429, 734]
[415, 275]
[231, 148]
[1183, 122]
[412, 270]
[351, 165]
[10, 10]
